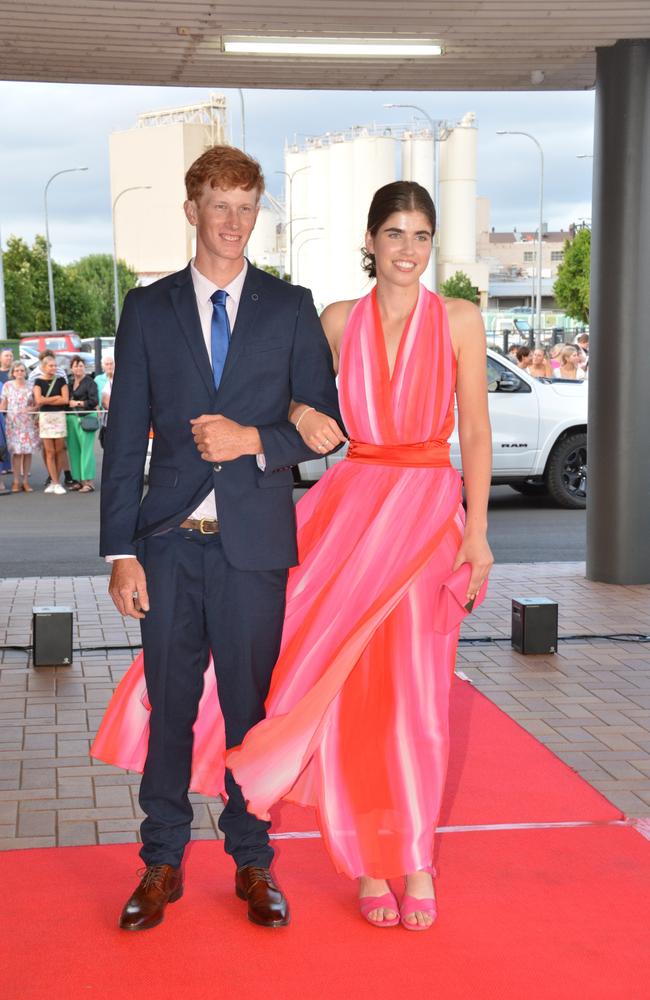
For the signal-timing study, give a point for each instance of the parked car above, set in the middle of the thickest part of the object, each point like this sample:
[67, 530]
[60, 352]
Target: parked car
[65, 357]
[108, 345]
[29, 355]
[539, 435]
[61, 340]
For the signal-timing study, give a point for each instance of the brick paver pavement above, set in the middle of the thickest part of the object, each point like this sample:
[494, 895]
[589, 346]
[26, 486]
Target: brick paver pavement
[589, 703]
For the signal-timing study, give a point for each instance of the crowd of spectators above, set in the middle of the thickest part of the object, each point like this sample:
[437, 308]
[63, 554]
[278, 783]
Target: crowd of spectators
[60, 415]
[53, 413]
[565, 361]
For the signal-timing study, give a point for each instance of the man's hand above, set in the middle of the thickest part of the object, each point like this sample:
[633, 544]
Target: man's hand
[221, 440]
[128, 588]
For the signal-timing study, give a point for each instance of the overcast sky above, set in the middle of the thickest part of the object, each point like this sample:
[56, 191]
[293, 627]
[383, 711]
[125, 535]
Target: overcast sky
[49, 127]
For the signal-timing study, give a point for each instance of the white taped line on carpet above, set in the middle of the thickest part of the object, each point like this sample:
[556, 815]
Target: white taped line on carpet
[532, 826]
[315, 835]
[642, 826]
[300, 835]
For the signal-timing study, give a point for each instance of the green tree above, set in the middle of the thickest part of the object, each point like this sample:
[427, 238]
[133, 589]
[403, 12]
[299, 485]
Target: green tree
[19, 287]
[275, 271]
[19, 301]
[459, 286]
[27, 295]
[76, 307]
[95, 273]
[83, 291]
[571, 287]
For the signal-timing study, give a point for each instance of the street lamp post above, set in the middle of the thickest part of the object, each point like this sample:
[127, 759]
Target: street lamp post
[538, 318]
[310, 239]
[434, 139]
[3, 307]
[50, 279]
[116, 290]
[308, 229]
[290, 177]
[243, 119]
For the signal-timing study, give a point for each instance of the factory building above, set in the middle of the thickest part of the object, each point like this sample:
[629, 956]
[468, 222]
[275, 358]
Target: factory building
[148, 165]
[330, 181]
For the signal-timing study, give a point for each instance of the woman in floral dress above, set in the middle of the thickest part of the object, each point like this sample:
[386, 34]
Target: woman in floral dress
[17, 401]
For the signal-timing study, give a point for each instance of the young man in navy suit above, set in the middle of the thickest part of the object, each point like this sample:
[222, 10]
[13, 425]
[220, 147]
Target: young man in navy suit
[203, 559]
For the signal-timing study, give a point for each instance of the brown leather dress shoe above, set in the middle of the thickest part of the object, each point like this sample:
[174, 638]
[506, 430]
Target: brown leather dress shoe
[160, 884]
[267, 905]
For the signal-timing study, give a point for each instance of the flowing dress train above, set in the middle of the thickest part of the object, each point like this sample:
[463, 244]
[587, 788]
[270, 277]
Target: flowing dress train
[357, 713]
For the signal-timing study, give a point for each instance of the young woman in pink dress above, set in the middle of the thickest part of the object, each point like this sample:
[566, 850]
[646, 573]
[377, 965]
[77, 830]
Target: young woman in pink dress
[357, 714]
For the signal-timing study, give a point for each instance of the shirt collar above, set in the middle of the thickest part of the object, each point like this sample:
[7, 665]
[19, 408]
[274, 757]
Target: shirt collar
[204, 288]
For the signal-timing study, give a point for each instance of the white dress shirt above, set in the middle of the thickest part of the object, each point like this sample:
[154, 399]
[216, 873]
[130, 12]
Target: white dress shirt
[203, 289]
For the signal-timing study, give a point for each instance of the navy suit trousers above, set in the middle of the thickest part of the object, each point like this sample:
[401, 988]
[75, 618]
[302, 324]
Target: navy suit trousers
[199, 604]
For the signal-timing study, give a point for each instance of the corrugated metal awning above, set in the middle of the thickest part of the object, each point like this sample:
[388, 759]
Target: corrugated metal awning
[489, 44]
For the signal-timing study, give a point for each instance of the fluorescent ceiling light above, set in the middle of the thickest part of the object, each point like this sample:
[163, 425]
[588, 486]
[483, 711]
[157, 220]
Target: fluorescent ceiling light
[330, 47]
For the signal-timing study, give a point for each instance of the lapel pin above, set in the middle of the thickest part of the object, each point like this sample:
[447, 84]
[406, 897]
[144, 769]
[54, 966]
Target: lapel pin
[255, 296]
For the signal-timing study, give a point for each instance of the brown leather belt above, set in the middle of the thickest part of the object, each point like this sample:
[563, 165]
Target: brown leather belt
[204, 525]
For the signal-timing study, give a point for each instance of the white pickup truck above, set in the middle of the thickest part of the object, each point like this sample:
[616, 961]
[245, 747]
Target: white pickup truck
[539, 435]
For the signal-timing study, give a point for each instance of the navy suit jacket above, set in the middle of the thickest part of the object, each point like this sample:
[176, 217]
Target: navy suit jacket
[163, 378]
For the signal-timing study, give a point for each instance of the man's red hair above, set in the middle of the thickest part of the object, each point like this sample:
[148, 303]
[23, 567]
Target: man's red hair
[223, 167]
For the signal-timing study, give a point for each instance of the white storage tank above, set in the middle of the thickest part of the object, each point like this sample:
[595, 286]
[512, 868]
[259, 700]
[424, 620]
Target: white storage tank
[263, 244]
[311, 265]
[417, 165]
[458, 160]
[330, 208]
[339, 222]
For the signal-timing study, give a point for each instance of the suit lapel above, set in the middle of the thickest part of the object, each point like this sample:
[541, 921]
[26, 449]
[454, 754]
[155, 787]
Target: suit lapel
[184, 303]
[246, 316]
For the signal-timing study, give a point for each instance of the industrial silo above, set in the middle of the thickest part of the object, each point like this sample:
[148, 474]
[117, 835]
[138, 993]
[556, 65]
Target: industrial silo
[418, 166]
[458, 160]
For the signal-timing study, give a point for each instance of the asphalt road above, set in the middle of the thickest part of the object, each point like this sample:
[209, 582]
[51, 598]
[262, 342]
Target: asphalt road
[48, 535]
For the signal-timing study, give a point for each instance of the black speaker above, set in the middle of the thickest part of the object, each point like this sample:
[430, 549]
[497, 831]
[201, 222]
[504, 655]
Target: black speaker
[52, 636]
[534, 625]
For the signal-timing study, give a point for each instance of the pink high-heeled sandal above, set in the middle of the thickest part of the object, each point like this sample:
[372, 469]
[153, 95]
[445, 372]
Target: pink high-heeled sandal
[386, 902]
[411, 904]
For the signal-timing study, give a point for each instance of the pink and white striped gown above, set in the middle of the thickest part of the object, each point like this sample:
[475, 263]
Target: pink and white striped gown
[357, 714]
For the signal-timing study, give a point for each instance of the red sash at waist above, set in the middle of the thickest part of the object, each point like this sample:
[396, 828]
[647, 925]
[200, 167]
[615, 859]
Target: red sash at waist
[431, 454]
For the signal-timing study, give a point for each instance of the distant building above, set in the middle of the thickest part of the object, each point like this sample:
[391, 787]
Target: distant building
[151, 232]
[512, 261]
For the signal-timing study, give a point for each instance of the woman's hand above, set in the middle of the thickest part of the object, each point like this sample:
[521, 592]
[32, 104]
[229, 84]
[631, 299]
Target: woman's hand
[319, 432]
[474, 549]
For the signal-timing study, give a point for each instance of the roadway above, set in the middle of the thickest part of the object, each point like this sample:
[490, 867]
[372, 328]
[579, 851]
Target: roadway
[48, 535]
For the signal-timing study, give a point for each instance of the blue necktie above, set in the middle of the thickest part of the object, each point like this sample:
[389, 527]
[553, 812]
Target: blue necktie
[220, 334]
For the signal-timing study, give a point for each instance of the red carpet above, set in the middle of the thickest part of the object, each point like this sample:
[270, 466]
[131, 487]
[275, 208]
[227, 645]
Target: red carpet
[540, 914]
[543, 914]
[498, 773]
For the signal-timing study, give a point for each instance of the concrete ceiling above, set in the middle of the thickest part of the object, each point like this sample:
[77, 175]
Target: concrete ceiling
[489, 44]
